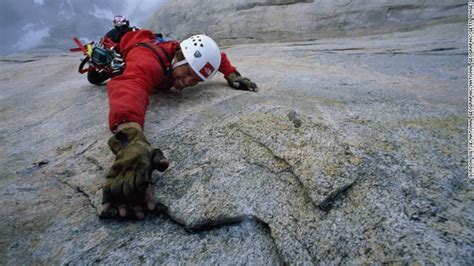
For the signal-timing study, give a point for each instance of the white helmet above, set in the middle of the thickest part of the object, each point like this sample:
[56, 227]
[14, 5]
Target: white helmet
[202, 54]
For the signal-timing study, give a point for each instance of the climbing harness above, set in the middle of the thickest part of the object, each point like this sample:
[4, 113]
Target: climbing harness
[152, 47]
[102, 59]
[98, 58]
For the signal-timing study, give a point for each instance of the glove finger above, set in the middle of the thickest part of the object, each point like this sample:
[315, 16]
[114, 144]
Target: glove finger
[143, 177]
[253, 86]
[236, 84]
[150, 198]
[122, 210]
[247, 84]
[139, 212]
[106, 193]
[159, 161]
[106, 200]
[242, 85]
[117, 192]
[112, 173]
[162, 165]
[132, 196]
[159, 153]
[117, 168]
[114, 145]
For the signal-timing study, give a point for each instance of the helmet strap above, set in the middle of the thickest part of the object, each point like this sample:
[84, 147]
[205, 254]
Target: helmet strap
[180, 63]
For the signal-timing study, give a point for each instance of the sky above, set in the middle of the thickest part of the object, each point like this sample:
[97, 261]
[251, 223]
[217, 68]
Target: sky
[51, 24]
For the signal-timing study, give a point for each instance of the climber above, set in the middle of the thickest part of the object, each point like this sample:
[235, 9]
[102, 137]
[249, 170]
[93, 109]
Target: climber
[152, 63]
[121, 27]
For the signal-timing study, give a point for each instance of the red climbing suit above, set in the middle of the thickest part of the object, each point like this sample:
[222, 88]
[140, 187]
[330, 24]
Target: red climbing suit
[128, 92]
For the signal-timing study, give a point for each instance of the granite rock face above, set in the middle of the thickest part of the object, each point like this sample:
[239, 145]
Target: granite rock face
[353, 151]
[243, 21]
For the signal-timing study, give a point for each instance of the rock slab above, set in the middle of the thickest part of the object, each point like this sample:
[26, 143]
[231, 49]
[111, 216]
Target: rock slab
[352, 152]
[245, 21]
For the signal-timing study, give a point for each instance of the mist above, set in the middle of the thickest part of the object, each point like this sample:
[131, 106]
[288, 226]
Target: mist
[27, 25]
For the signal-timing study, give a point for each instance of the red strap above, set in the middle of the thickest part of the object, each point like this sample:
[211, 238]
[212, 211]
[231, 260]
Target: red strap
[75, 50]
[150, 46]
[80, 45]
[83, 63]
[108, 43]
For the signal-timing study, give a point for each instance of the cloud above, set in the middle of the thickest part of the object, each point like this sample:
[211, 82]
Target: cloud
[140, 11]
[52, 22]
[33, 36]
[102, 13]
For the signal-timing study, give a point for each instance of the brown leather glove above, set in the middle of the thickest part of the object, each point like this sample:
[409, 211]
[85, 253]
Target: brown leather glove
[128, 184]
[236, 81]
